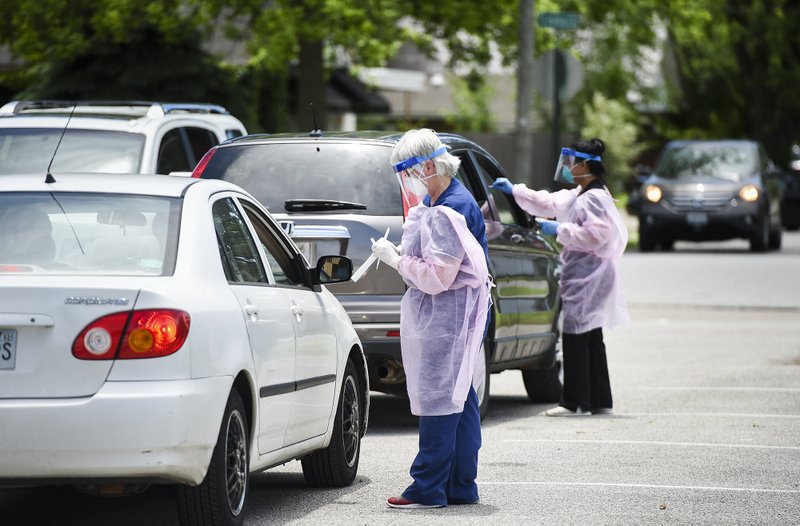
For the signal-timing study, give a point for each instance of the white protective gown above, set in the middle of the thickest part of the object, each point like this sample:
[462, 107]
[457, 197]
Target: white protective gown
[593, 237]
[443, 312]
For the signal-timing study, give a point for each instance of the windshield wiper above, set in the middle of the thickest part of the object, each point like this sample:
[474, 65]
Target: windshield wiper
[315, 205]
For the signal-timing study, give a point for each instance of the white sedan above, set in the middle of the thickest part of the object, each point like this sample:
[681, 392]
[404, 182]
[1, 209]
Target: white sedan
[162, 330]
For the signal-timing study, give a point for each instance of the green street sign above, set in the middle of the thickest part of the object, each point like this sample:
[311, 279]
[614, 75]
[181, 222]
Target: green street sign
[565, 20]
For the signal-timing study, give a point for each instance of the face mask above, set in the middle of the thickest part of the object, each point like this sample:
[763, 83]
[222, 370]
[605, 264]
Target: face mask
[416, 187]
[566, 175]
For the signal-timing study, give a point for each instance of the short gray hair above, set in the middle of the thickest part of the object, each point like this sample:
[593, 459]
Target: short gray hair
[422, 142]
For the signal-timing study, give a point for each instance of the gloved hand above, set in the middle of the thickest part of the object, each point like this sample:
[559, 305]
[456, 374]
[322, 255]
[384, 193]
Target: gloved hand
[549, 227]
[503, 184]
[384, 250]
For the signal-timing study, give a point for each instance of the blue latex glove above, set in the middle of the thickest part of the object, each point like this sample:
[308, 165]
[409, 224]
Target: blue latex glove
[503, 184]
[549, 227]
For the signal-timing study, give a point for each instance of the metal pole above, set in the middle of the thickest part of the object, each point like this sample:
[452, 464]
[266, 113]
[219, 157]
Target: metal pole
[522, 136]
[556, 105]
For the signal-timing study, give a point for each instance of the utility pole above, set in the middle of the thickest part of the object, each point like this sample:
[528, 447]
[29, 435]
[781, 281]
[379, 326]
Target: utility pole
[522, 133]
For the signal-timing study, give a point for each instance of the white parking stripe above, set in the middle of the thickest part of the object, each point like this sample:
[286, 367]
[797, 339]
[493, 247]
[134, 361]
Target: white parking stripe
[644, 486]
[724, 415]
[724, 389]
[654, 443]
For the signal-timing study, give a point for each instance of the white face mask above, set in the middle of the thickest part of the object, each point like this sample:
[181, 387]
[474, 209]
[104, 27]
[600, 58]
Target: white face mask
[416, 187]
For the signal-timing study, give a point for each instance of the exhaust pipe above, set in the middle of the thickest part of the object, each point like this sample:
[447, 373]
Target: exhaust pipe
[390, 371]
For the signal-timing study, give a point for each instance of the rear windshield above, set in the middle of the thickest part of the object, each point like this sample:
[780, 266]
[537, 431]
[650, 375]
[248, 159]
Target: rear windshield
[96, 234]
[273, 173]
[28, 150]
[730, 162]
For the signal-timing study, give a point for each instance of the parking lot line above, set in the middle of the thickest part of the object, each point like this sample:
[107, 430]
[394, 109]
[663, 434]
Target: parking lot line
[723, 389]
[643, 486]
[723, 415]
[653, 443]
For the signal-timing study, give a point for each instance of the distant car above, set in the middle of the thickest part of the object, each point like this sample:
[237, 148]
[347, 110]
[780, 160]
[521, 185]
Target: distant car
[710, 190]
[334, 193]
[165, 330]
[110, 136]
[790, 206]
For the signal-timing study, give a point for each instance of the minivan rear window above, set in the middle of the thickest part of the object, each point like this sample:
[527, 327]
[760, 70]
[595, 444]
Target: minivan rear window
[28, 150]
[273, 173]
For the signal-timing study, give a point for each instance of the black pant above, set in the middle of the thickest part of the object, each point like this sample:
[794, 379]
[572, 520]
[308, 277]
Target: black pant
[586, 383]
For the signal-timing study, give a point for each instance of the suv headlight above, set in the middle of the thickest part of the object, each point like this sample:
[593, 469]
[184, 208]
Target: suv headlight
[653, 193]
[749, 193]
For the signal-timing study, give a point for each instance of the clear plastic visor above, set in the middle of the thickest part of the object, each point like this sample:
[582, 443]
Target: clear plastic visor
[566, 161]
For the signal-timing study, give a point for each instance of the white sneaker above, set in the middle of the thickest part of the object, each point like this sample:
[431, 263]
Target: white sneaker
[563, 411]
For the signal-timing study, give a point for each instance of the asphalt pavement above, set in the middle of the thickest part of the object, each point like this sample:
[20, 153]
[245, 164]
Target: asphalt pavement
[706, 428]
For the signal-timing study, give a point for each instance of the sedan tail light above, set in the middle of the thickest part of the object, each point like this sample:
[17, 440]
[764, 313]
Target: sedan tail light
[147, 333]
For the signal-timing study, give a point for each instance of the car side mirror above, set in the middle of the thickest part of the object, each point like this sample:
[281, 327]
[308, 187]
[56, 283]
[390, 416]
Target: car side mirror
[332, 269]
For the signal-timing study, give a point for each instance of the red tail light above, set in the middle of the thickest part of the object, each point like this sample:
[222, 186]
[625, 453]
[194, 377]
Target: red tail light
[148, 333]
[201, 166]
[392, 334]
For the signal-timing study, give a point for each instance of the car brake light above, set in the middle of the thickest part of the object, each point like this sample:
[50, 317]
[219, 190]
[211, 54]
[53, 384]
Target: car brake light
[201, 166]
[392, 334]
[148, 333]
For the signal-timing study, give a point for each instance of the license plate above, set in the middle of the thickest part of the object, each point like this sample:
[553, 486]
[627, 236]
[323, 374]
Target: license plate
[696, 218]
[8, 348]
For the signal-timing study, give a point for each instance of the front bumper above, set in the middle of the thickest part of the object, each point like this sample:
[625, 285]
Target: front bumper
[127, 432]
[734, 220]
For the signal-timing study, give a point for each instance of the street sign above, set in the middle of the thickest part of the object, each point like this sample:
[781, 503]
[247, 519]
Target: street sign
[570, 74]
[565, 20]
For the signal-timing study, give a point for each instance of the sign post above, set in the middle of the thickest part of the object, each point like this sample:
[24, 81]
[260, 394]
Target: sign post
[566, 21]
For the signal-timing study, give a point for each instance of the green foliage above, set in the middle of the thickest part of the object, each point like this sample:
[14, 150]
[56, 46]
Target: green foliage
[616, 125]
[471, 97]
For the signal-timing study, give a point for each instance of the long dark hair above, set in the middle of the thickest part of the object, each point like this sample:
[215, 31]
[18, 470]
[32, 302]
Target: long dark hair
[594, 146]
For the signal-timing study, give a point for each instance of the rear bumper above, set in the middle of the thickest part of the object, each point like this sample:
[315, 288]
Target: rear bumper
[128, 431]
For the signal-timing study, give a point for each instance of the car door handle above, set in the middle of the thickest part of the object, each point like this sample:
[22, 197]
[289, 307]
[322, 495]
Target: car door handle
[297, 312]
[516, 238]
[251, 311]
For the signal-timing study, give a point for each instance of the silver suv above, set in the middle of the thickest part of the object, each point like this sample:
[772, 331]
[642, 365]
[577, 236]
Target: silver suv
[110, 136]
[334, 193]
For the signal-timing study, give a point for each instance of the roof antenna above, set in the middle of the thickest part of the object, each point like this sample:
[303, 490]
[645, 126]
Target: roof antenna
[316, 132]
[50, 179]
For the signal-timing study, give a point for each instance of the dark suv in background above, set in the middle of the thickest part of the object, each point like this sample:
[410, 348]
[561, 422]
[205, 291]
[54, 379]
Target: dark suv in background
[333, 193]
[710, 190]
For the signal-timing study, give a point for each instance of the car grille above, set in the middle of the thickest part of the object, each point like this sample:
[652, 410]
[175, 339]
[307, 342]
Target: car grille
[699, 200]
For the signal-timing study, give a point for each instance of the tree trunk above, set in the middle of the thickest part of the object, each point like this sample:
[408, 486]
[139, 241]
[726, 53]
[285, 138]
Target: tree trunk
[311, 86]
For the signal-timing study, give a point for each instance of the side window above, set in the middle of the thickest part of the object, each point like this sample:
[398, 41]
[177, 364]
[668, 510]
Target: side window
[488, 172]
[462, 176]
[281, 262]
[172, 154]
[200, 141]
[237, 248]
[232, 133]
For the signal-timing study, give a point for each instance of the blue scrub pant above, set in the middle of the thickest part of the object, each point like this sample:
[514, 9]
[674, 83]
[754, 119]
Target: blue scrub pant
[446, 466]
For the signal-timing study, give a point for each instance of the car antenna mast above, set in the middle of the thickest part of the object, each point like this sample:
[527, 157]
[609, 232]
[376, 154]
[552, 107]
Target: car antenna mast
[316, 132]
[49, 178]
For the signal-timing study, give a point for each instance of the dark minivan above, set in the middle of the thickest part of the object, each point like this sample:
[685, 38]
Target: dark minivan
[333, 193]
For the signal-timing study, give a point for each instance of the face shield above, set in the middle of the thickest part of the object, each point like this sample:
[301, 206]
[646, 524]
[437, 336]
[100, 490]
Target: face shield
[411, 174]
[567, 160]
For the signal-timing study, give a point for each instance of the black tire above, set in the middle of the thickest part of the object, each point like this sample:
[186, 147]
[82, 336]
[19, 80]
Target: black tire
[336, 465]
[759, 242]
[483, 389]
[222, 496]
[647, 242]
[776, 238]
[543, 385]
